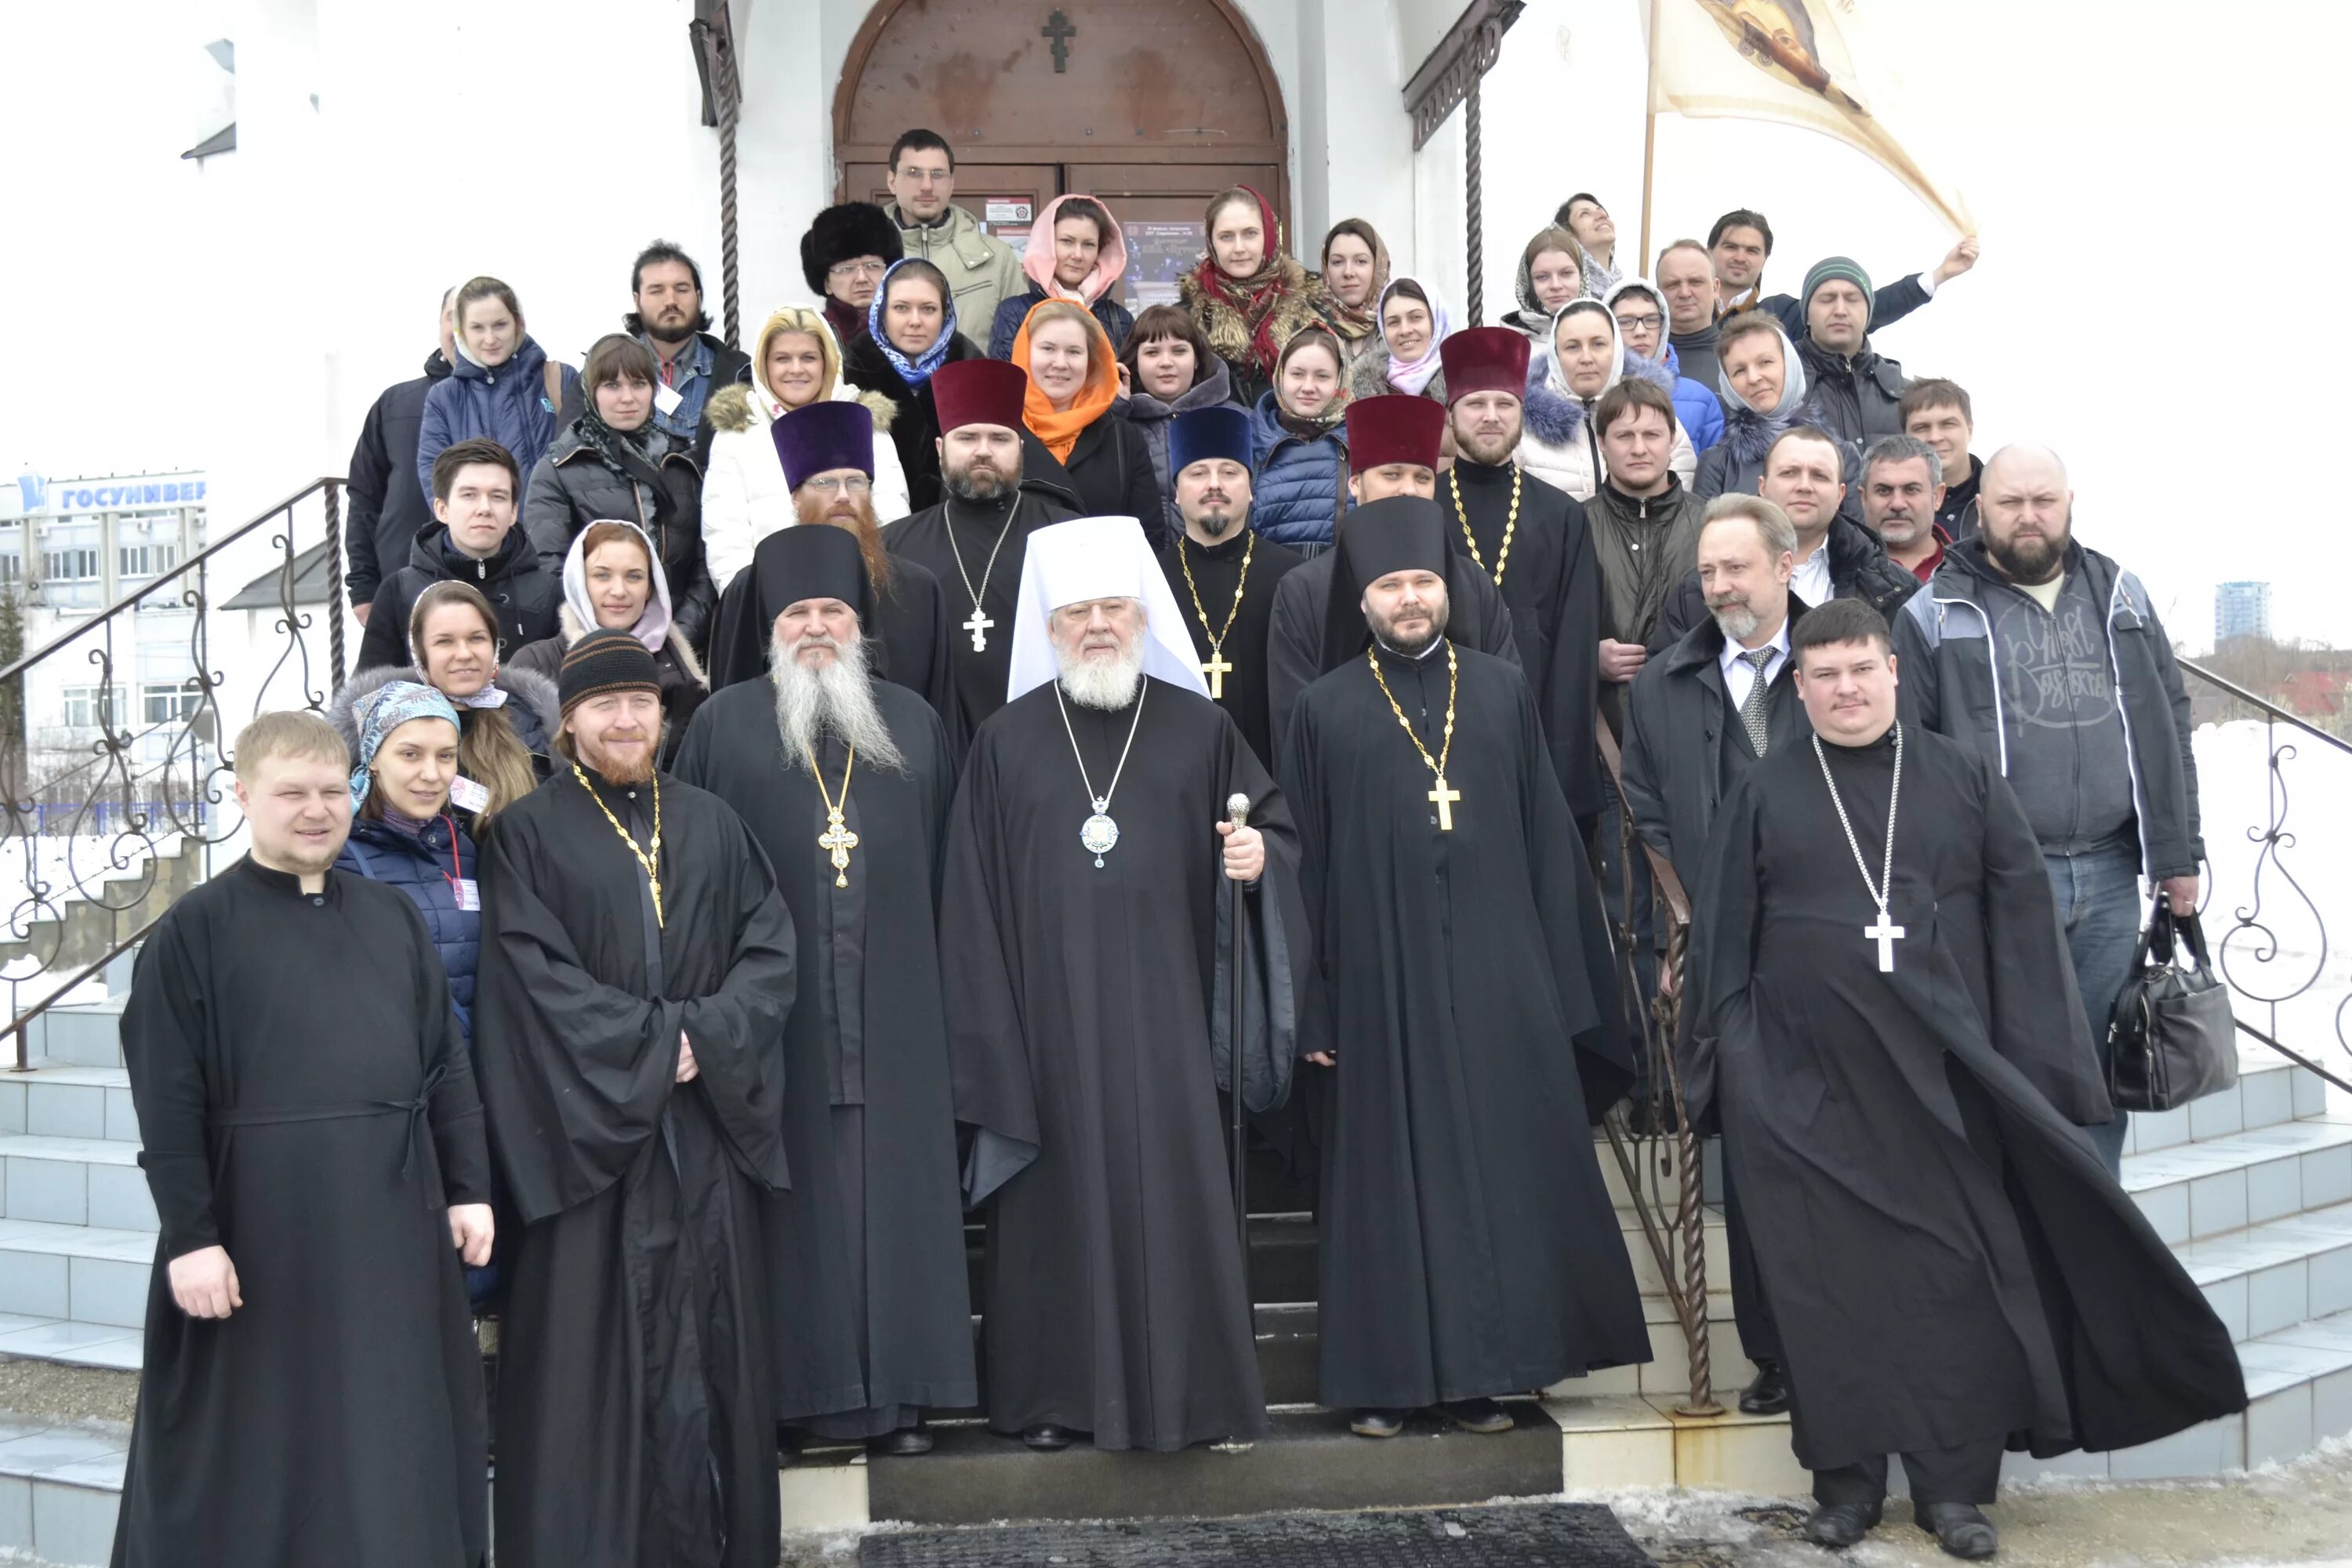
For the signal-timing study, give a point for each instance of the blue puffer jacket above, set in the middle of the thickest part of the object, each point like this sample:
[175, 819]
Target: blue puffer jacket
[1300, 486]
[422, 868]
[1699, 411]
[508, 405]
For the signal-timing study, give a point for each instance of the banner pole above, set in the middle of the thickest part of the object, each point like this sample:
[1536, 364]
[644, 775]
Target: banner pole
[1649, 141]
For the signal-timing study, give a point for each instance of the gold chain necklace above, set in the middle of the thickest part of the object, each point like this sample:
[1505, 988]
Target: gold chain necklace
[836, 836]
[1443, 796]
[1217, 668]
[650, 862]
[1510, 524]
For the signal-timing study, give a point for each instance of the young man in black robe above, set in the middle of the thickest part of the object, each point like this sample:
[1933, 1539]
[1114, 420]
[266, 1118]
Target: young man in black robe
[1393, 448]
[845, 781]
[1089, 988]
[628, 1024]
[312, 1394]
[1468, 1245]
[998, 487]
[1223, 575]
[1531, 539]
[1882, 1012]
[827, 452]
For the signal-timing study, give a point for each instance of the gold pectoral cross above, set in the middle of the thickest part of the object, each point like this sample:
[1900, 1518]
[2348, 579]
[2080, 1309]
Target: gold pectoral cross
[838, 838]
[1443, 796]
[1216, 669]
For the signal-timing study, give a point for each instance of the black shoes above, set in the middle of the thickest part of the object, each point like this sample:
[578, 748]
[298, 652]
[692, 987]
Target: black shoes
[1838, 1525]
[1047, 1439]
[1960, 1529]
[1376, 1423]
[905, 1442]
[1477, 1415]
[1768, 1394]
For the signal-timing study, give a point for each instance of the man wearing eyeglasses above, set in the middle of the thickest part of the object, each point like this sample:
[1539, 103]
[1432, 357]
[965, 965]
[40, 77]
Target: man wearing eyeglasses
[980, 267]
[842, 256]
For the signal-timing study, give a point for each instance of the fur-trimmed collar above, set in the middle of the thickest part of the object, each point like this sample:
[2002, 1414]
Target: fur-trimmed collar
[533, 690]
[676, 646]
[732, 407]
[1229, 332]
[1556, 417]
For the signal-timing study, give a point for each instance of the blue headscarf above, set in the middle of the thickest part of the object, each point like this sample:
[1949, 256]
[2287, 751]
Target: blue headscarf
[914, 373]
[393, 704]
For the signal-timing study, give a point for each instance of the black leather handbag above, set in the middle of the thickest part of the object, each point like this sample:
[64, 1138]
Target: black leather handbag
[2173, 1037]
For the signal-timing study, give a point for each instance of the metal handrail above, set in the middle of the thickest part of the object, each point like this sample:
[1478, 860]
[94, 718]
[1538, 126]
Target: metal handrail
[2269, 708]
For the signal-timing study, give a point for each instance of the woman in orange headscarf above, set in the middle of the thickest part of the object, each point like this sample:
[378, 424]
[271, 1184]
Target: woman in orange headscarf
[1073, 382]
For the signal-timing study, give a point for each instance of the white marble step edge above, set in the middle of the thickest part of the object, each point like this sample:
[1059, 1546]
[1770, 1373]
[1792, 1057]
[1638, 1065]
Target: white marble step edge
[2194, 1190]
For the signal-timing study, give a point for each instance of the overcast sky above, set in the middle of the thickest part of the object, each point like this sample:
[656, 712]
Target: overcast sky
[2150, 178]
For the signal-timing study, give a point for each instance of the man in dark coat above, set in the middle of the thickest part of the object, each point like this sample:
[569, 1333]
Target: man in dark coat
[1644, 529]
[665, 287]
[1469, 1018]
[1881, 1013]
[473, 540]
[1392, 444]
[638, 967]
[1857, 392]
[842, 256]
[845, 780]
[1001, 486]
[387, 504]
[1741, 243]
[1222, 574]
[1939, 412]
[312, 1392]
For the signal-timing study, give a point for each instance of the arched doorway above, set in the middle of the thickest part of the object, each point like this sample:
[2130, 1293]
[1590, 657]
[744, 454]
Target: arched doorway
[1152, 105]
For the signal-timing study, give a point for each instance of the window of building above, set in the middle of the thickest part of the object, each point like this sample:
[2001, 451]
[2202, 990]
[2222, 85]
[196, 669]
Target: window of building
[169, 704]
[91, 707]
[149, 559]
[74, 565]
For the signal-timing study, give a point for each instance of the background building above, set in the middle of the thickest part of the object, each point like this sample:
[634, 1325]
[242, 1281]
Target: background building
[2240, 610]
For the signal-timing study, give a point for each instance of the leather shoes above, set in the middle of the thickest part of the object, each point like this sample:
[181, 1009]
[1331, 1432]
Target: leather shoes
[1376, 1423]
[1046, 1438]
[1838, 1525]
[905, 1442]
[1959, 1528]
[1768, 1394]
[1477, 1415]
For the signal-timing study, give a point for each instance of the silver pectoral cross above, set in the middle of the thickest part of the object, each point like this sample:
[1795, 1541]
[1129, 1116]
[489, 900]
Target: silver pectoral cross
[978, 626]
[1885, 934]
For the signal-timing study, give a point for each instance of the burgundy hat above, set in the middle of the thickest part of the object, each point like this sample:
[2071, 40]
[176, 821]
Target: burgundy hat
[979, 392]
[1399, 428]
[823, 436]
[1484, 359]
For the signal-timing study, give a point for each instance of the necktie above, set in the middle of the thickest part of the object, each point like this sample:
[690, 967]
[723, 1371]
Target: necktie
[1756, 712]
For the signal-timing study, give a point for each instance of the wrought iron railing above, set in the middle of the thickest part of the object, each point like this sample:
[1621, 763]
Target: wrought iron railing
[92, 850]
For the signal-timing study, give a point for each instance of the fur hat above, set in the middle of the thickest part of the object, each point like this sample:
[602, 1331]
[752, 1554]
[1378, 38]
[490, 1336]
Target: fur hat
[838, 233]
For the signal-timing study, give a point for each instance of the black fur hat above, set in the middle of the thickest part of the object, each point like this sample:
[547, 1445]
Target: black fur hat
[837, 234]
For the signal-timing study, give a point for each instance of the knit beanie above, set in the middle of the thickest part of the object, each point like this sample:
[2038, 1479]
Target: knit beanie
[1838, 268]
[607, 660]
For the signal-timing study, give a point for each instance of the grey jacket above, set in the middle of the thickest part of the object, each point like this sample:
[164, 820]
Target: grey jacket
[981, 269]
[1952, 682]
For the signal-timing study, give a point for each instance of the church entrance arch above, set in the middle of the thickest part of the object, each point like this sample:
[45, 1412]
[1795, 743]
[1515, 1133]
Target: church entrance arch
[1151, 105]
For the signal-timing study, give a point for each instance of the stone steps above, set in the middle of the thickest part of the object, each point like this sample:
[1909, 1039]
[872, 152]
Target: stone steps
[60, 1489]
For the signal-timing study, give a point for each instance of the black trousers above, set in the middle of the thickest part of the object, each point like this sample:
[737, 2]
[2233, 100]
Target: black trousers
[1969, 1473]
[1759, 1335]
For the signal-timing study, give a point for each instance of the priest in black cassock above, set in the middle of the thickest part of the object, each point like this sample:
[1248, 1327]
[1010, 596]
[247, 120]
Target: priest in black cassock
[1532, 539]
[628, 1027]
[827, 452]
[1090, 871]
[1468, 1245]
[998, 487]
[1881, 1010]
[845, 781]
[1223, 575]
[1393, 448]
[312, 1392]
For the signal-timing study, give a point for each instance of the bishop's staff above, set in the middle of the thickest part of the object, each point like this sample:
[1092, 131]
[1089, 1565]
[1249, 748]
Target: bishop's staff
[1237, 809]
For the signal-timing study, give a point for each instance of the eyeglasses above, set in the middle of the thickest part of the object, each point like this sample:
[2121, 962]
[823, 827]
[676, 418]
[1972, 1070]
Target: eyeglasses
[843, 484]
[865, 266]
[1636, 323]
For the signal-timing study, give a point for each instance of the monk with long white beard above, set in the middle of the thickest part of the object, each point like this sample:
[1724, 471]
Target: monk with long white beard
[845, 780]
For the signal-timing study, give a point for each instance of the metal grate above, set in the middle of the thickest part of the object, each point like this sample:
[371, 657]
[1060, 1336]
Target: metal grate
[1537, 1535]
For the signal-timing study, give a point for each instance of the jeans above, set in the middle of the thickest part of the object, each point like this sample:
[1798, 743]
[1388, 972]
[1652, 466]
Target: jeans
[2098, 901]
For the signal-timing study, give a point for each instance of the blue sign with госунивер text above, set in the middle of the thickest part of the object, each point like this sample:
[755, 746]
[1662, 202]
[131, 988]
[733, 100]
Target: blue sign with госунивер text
[73, 496]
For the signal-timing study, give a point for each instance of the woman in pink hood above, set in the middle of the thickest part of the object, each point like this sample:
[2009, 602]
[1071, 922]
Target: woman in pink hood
[1075, 252]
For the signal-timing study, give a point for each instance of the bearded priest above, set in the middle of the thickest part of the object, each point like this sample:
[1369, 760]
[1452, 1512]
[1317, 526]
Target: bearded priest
[1091, 869]
[845, 779]
[1469, 1248]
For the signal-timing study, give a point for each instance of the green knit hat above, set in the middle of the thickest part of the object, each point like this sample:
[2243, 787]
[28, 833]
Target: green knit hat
[1840, 268]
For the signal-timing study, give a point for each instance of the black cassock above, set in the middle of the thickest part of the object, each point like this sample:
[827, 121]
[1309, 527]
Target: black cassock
[1948, 1260]
[635, 1416]
[1553, 585]
[1468, 1245]
[867, 1249]
[981, 675]
[1080, 1008]
[1216, 574]
[306, 1103]
[908, 645]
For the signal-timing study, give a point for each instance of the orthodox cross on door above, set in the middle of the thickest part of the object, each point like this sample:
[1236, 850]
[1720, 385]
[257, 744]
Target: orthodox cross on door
[1058, 29]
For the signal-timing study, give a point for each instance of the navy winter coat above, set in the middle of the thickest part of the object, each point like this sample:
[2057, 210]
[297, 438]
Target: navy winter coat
[1301, 486]
[423, 869]
[1110, 315]
[508, 405]
[387, 504]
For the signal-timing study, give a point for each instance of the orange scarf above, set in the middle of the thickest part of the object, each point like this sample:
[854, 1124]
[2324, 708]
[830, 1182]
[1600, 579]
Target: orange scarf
[1060, 431]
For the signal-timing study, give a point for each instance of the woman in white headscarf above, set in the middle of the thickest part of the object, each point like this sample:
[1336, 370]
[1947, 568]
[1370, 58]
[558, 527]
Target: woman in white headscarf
[1581, 358]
